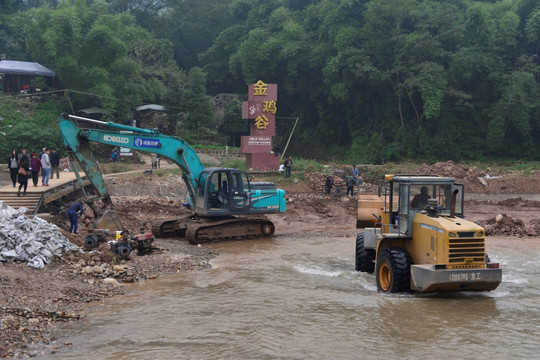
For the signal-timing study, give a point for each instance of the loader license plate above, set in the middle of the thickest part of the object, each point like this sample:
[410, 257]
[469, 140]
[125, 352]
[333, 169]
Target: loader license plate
[456, 277]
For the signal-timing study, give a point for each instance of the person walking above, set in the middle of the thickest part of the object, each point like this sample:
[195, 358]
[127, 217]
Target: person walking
[25, 155]
[54, 157]
[22, 175]
[45, 168]
[13, 165]
[288, 165]
[74, 211]
[115, 154]
[35, 166]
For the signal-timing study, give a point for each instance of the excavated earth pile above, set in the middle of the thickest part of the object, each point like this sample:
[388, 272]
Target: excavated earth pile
[317, 181]
[503, 224]
[448, 169]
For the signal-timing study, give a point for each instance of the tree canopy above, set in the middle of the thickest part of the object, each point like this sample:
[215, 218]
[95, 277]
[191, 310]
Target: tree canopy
[371, 80]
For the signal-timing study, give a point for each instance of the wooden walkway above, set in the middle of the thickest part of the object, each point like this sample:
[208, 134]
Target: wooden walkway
[40, 195]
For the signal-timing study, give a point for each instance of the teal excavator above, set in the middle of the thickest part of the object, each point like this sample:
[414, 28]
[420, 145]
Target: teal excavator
[224, 203]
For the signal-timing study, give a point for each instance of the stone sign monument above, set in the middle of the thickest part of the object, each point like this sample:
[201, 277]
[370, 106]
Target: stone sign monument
[260, 109]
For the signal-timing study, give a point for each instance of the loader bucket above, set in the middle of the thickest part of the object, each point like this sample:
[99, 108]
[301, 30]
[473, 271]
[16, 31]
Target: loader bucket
[109, 220]
[426, 278]
[369, 206]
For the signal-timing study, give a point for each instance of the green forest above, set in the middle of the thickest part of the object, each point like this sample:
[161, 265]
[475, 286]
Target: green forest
[371, 81]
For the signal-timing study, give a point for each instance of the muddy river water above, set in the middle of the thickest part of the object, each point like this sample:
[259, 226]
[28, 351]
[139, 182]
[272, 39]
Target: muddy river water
[298, 297]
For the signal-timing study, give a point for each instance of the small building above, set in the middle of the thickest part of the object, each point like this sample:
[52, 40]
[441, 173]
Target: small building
[18, 76]
[152, 116]
[92, 113]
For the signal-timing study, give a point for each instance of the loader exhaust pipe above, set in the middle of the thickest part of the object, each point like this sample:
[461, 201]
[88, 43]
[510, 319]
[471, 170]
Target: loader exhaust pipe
[453, 203]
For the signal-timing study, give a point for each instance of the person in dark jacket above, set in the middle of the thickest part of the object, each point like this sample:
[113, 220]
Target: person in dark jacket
[350, 185]
[24, 154]
[22, 176]
[35, 166]
[328, 185]
[74, 211]
[421, 199]
[13, 165]
[288, 165]
[55, 163]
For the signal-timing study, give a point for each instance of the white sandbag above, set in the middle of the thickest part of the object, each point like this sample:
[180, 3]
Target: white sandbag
[32, 240]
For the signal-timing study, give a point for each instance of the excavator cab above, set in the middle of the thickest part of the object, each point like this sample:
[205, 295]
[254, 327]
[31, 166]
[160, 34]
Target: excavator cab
[222, 192]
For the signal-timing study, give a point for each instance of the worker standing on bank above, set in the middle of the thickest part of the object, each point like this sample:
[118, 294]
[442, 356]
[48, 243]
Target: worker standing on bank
[74, 211]
[288, 165]
[54, 157]
[45, 168]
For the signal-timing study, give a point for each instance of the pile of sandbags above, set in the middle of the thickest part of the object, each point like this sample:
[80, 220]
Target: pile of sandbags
[32, 240]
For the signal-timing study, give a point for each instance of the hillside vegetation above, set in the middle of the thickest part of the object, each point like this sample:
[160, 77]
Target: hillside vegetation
[371, 81]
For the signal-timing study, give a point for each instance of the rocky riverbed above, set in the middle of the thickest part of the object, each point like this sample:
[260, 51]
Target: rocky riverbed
[33, 303]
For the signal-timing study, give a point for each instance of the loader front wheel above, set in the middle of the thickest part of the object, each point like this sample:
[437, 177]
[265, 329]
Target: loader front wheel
[394, 270]
[365, 258]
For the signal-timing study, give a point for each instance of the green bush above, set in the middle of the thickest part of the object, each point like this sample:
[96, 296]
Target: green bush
[307, 165]
[30, 125]
[239, 164]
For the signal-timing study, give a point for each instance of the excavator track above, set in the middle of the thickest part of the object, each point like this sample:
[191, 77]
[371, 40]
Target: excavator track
[200, 232]
[204, 230]
[169, 228]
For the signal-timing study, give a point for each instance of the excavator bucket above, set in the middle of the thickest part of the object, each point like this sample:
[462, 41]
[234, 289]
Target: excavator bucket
[109, 220]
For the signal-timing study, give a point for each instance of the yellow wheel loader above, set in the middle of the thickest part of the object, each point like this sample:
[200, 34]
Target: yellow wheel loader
[415, 238]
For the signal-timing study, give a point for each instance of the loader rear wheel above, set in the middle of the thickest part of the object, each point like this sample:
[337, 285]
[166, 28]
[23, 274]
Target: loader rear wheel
[394, 270]
[365, 258]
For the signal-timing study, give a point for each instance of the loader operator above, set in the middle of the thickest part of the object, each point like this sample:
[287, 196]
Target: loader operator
[421, 199]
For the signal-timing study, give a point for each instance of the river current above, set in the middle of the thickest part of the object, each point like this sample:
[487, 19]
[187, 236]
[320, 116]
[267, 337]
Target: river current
[298, 297]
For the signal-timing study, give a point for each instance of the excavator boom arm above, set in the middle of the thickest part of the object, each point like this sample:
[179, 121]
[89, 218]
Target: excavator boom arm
[76, 141]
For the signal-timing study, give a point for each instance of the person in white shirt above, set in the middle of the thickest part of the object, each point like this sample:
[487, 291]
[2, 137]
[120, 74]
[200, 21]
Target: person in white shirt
[45, 168]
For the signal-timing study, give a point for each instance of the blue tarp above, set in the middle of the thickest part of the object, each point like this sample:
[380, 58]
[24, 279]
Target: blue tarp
[24, 68]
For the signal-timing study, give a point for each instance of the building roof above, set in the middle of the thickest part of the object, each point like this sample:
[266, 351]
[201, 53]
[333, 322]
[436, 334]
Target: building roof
[150, 107]
[93, 110]
[24, 68]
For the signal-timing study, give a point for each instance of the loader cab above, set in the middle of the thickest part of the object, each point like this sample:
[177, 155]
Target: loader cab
[425, 194]
[222, 192]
